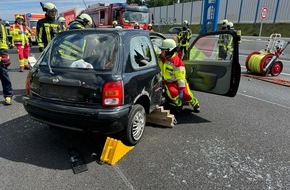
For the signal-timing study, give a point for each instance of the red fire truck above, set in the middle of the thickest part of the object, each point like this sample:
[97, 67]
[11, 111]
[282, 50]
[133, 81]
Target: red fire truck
[126, 15]
[70, 14]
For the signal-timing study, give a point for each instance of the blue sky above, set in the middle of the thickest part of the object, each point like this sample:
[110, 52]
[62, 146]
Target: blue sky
[9, 7]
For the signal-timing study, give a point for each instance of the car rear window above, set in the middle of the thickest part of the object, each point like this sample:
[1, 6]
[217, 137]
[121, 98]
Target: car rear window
[84, 50]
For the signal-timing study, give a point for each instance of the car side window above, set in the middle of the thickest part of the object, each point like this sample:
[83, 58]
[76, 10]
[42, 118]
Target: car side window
[141, 52]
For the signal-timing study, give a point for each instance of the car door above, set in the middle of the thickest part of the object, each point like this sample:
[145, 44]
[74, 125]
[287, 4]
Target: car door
[212, 63]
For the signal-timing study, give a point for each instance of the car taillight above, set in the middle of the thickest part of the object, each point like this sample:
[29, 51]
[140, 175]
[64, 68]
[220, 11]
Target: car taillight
[27, 84]
[112, 94]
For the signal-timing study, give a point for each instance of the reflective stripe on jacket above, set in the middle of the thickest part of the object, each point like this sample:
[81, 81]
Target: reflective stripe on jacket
[183, 37]
[19, 34]
[45, 31]
[3, 37]
[173, 70]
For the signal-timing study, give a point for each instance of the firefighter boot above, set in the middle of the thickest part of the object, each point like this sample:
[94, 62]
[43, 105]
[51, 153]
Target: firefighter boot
[195, 105]
[8, 100]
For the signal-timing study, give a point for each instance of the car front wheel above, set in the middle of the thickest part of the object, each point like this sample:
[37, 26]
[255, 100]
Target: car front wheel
[136, 125]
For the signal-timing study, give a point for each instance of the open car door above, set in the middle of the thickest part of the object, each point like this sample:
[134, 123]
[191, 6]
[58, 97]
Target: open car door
[212, 63]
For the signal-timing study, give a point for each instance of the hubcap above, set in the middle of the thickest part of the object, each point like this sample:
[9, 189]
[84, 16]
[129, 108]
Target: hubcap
[276, 69]
[138, 125]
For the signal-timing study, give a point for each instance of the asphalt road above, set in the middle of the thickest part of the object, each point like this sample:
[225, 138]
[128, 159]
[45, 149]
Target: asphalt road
[233, 143]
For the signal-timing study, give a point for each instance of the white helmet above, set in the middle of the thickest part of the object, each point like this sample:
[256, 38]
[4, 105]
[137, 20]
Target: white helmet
[85, 18]
[118, 27]
[61, 19]
[48, 7]
[224, 22]
[115, 22]
[185, 22]
[150, 24]
[168, 44]
[7, 22]
[230, 24]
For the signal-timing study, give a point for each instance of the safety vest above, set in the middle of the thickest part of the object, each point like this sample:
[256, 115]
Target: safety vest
[183, 37]
[72, 51]
[45, 31]
[3, 37]
[19, 34]
[226, 41]
[173, 70]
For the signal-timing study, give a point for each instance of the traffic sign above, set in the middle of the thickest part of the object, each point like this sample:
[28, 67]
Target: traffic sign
[264, 13]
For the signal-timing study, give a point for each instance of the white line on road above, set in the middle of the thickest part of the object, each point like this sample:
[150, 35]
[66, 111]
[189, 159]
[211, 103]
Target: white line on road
[263, 100]
[124, 178]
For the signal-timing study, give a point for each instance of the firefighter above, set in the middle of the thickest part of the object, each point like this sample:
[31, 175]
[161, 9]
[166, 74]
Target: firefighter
[223, 41]
[4, 63]
[150, 27]
[136, 25]
[20, 36]
[47, 27]
[183, 38]
[9, 42]
[70, 51]
[82, 21]
[173, 73]
[61, 22]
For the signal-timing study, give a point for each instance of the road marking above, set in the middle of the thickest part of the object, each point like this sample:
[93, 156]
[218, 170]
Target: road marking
[264, 100]
[124, 178]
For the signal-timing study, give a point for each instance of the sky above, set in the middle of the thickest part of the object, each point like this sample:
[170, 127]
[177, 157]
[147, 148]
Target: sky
[9, 7]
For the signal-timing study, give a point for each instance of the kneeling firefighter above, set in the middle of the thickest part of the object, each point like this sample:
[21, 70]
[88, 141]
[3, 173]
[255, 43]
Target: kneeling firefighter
[174, 76]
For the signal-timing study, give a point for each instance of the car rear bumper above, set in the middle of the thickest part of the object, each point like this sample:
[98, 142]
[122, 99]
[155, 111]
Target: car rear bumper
[77, 118]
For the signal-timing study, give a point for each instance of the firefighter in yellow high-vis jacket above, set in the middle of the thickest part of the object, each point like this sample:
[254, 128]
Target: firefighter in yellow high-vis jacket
[20, 37]
[4, 63]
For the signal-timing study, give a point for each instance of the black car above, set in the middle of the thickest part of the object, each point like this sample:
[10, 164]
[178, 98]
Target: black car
[107, 80]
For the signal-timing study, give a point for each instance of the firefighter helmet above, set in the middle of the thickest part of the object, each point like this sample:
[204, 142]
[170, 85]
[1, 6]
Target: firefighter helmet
[85, 19]
[168, 44]
[7, 22]
[230, 25]
[115, 22]
[150, 25]
[224, 22]
[185, 22]
[19, 17]
[61, 19]
[48, 7]
[136, 25]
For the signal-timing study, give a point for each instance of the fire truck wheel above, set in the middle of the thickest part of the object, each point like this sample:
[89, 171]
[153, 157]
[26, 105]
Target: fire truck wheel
[276, 69]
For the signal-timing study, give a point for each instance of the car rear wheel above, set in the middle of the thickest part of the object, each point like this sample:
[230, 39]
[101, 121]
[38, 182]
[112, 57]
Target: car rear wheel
[136, 125]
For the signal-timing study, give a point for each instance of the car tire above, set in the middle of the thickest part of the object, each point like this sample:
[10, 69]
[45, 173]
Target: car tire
[136, 125]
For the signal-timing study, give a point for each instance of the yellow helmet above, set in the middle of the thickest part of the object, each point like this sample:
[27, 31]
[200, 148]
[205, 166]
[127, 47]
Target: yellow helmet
[168, 44]
[19, 17]
[48, 7]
